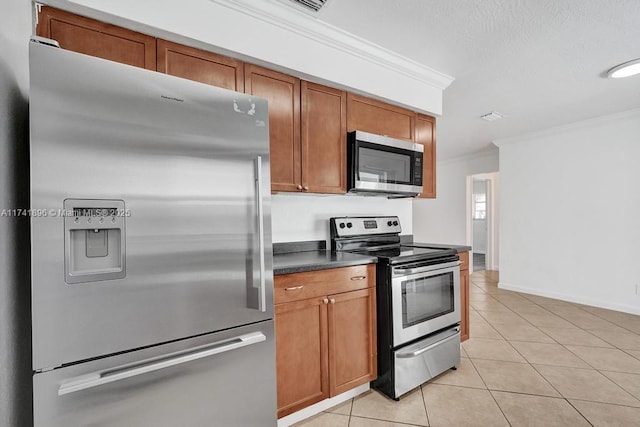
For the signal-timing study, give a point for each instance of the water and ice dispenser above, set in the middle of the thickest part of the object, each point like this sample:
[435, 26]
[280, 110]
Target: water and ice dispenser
[94, 240]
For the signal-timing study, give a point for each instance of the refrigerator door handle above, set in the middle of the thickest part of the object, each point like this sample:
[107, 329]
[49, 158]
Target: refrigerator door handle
[95, 379]
[262, 297]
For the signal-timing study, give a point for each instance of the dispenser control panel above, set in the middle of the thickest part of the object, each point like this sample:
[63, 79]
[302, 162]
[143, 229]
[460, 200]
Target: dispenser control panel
[94, 240]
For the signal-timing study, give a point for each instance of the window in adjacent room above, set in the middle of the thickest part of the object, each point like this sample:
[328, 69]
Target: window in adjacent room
[479, 206]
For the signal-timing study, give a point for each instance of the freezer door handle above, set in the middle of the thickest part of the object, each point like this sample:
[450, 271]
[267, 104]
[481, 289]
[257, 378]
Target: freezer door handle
[262, 297]
[95, 379]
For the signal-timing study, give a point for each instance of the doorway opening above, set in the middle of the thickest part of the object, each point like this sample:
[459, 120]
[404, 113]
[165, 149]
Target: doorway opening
[482, 220]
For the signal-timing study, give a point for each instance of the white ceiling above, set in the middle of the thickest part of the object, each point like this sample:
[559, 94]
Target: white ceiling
[538, 62]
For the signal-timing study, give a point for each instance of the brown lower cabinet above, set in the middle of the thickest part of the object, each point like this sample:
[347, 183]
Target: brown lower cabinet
[464, 295]
[326, 344]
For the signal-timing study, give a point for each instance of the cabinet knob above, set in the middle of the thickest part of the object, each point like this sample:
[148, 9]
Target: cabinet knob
[325, 300]
[305, 188]
[358, 277]
[294, 288]
[299, 187]
[332, 301]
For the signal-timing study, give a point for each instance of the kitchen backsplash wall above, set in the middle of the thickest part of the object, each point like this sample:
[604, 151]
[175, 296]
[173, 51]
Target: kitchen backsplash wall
[298, 217]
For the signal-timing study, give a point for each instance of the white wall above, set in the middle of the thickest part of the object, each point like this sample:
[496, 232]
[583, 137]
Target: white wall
[570, 205]
[444, 219]
[297, 217]
[15, 314]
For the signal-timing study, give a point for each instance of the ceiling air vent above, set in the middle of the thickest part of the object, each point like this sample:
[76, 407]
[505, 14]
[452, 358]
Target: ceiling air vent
[492, 116]
[312, 5]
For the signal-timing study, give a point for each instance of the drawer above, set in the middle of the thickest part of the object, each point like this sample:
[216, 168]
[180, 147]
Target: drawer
[310, 284]
[464, 260]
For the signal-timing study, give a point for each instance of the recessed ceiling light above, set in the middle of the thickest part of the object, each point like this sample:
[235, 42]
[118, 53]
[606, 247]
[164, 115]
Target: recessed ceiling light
[492, 116]
[625, 70]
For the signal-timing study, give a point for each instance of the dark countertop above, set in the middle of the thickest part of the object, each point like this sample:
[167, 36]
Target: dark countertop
[296, 257]
[297, 262]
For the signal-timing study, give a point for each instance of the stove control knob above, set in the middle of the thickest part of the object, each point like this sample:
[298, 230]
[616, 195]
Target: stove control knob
[389, 223]
[349, 225]
[395, 223]
[342, 225]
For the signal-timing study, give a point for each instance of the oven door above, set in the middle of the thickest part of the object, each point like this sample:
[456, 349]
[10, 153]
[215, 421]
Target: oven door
[424, 300]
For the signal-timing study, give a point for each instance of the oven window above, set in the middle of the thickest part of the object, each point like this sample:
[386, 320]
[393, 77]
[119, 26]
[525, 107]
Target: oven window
[377, 165]
[425, 298]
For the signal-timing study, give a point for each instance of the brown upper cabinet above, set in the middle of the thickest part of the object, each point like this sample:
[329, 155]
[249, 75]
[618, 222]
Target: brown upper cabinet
[283, 94]
[96, 38]
[200, 65]
[324, 134]
[425, 131]
[373, 116]
[308, 122]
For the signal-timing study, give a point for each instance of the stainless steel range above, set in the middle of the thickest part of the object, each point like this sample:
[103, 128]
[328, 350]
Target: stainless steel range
[418, 301]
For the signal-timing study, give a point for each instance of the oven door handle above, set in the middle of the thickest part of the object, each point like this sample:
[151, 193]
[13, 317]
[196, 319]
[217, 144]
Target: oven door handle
[434, 267]
[418, 352]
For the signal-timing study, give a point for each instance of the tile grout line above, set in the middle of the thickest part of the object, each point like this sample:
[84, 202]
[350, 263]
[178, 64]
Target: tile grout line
[592, 368]
[424, 403]
[586, 400]
[578, 411]
[572, 304]
[527, 362]
[490, 394]
[387, 421]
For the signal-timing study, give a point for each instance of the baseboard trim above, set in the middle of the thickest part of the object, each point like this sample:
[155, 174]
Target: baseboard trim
[312, 410]
[570, 298]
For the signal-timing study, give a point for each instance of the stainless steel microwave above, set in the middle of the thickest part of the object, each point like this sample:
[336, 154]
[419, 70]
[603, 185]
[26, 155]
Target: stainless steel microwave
[379, 165]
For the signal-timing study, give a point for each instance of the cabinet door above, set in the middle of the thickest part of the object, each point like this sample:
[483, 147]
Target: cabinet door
[377, 117]
[96, 38]
[199, 65]
[283, 93]
[426, 135]
[301, 354]
[324, 134]
[352, 340]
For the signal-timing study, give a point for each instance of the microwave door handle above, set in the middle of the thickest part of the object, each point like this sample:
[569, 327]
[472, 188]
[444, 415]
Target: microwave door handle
[108, 376]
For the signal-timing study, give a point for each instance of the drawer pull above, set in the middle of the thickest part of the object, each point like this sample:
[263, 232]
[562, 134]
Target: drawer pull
[294, 288]
[358, 277]
[332, 301]
[325, 300]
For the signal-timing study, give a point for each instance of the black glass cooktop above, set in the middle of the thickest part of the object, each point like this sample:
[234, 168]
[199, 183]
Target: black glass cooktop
[406, 253]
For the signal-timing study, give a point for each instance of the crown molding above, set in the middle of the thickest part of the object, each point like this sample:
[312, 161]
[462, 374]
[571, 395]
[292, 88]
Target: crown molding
[302, 24]
[583, 124]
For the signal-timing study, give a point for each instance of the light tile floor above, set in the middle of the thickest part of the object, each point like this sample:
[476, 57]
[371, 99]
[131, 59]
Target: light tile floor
[531, 361]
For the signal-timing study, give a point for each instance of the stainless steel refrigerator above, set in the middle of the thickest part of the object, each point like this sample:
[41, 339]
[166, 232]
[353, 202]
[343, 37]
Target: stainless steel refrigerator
[152, 277]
